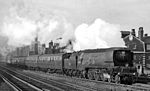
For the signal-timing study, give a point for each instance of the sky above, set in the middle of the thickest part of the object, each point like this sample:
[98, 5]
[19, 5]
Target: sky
[76, 19]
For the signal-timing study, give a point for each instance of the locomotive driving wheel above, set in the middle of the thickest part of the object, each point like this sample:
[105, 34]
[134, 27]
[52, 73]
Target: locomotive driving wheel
[109, 80]
[82, 74]
[117, 79]
[48, 71]
[90, 75]
[102, 77]
[78, 74]
[96, 76]
[128, 80]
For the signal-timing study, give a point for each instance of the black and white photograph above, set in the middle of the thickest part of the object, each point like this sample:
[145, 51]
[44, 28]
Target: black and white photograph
[74, 45]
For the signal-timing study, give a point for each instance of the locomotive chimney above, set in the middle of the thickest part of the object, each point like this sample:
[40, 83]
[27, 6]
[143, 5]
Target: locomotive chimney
[133, 32]
[140, 33]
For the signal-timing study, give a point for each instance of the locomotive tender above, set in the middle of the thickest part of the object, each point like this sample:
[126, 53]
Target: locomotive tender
[109, 64]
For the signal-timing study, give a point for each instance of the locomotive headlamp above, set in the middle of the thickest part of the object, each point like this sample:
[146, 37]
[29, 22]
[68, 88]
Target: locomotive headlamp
[123, 53]
[127, 65]
[134, 73]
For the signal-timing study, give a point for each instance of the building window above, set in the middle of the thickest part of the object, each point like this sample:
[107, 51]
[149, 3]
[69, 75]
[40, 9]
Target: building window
[134, 46]
[148, 57]
[134, 57]
[148, 47]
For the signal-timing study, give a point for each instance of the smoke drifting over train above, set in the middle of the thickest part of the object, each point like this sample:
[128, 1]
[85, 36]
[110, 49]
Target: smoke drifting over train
[99, 34]
[21, 30]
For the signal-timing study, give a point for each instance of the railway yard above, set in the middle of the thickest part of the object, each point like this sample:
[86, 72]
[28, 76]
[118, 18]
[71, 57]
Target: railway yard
[27, 80]
[103, 69]
[74, 45]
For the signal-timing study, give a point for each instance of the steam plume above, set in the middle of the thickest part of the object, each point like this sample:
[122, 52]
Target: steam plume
[21, 30]
[100, 34]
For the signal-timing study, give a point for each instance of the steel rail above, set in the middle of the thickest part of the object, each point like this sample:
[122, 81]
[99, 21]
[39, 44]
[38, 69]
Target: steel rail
[26, 83]
[12, 85]
[59, 89]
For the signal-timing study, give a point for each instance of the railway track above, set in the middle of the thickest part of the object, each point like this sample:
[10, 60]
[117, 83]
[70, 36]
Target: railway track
[5, 85]
[86, 84]
[117, 86]
[62, 83]
[56, 85]
[100, 85]
[112, 86]
[12, 85]
[16, 83]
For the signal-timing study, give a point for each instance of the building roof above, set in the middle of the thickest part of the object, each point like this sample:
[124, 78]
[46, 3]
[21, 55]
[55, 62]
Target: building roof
[133, 39]
[136, 43]
[146, 39]
[124, 33]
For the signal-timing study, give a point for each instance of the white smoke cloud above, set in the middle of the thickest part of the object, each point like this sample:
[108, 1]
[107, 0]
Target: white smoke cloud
[57, 28]
[100, 34]
[21, 30]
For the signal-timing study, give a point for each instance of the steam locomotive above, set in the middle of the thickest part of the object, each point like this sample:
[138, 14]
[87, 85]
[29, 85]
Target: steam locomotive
[109, 64]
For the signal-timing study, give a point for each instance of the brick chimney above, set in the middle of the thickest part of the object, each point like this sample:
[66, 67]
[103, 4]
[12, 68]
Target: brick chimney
[140, 33]
[133, 32]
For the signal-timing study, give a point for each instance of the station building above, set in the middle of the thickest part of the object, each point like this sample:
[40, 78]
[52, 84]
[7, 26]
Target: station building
[140, 45]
